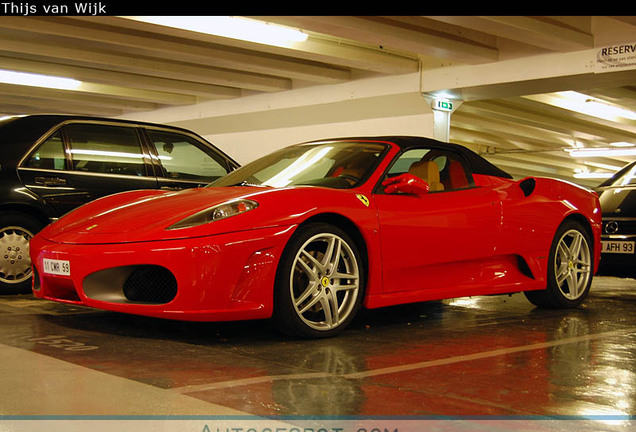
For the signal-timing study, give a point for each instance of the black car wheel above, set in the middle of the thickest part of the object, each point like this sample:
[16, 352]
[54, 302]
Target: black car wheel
[570, 269]
[319, 283]
[15, 263]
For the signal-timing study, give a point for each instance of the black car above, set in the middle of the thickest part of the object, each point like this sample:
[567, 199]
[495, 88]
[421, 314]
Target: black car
[618, 204]
[51, 164]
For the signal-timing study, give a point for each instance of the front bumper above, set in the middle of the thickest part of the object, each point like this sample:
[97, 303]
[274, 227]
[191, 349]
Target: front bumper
[618, 256]
[214, 278]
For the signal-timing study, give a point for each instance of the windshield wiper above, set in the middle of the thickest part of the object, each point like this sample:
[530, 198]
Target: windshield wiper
[247, 183]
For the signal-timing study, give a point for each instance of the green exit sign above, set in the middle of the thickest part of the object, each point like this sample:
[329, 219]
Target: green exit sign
[443, 105]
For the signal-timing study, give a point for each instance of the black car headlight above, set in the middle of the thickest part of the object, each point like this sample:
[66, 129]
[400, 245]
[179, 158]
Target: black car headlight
[218, 212]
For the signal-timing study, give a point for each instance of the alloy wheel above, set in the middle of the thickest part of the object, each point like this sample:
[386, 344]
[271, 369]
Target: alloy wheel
[572, 264]
[15, 263]
[324, 281]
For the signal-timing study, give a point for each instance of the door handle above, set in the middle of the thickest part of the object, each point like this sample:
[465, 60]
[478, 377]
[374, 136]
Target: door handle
[50, 181]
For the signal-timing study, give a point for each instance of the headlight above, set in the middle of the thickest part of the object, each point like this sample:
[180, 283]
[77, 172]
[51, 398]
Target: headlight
[221, 211]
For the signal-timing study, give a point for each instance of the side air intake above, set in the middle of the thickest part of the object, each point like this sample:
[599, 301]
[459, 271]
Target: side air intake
[527, 186]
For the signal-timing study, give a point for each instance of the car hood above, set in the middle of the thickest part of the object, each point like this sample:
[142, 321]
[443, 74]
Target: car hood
[142, 215]
[618, 202]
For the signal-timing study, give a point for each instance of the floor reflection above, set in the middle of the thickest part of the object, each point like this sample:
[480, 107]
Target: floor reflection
[475, 356]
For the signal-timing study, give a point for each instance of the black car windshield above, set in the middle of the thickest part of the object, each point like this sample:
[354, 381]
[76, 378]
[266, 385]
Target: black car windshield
[625, 177]
[339, 165]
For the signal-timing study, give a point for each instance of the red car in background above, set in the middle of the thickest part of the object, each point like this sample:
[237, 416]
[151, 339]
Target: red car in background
[310, 233]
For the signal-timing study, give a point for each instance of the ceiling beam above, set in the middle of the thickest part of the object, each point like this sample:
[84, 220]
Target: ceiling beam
[27, 105]
[103, 76]
[382, 32]
[90, 97]
[342, 54]
[177, 50]
[529, 75]
[541, 32]
[141, 65]
[549, 118]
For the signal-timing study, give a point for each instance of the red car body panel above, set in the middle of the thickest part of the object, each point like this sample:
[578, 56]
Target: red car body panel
[487, 239]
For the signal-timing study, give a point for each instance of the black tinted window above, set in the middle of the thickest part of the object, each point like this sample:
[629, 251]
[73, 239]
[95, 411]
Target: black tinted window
[49, 155]
[106, 149]
[184, 158]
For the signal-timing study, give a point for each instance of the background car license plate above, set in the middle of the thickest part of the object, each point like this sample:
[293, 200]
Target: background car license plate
[621, 247]
[57, 267]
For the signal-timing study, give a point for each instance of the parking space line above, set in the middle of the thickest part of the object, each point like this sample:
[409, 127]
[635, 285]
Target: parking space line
[486, 354]
[400, 368]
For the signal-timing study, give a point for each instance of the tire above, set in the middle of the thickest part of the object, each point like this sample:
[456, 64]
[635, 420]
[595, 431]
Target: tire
[16, 229]
[319, 283]
[570, 269]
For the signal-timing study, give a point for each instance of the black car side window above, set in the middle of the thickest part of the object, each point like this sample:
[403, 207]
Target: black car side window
[106, 149]
[49, 155]
[182, 159]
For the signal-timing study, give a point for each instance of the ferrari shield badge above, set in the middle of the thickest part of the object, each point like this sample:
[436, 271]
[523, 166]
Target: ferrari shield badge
[363, 199]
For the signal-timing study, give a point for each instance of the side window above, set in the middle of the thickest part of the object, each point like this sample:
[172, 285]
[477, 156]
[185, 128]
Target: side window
[182, 158]
[407, 159]
[452, 171]
[49, 155]
[441, 169]
[106, 149]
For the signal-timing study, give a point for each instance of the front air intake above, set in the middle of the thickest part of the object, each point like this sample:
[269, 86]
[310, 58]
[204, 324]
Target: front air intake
[150, 284]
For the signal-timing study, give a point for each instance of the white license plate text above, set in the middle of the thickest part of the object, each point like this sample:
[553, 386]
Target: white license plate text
[57, 267]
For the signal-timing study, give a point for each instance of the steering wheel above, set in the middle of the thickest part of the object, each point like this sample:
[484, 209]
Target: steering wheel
[350, 178]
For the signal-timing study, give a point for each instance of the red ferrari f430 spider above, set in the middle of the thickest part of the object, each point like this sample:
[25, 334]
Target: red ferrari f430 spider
[313, 232]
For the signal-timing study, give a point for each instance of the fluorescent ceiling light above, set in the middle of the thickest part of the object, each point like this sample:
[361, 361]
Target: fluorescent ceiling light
[230, 27]
[600, 152]
[37, 80]
[621, 144]
[604, 110]
[603, 166]
[586, 104]
[593, 175]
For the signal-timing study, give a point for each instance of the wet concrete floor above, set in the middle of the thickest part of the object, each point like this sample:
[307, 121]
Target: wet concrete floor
[496, 356]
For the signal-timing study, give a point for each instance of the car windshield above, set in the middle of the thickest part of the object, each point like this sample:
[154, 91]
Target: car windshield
[625, 177]
[6, 119]
[339, 165]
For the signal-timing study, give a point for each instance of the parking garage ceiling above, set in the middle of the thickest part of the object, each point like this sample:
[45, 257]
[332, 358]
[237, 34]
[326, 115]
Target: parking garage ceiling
[129, 66]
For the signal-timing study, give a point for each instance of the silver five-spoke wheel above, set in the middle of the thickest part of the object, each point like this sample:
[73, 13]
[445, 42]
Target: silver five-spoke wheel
[319, 282]
[324, 283]
[573, 264]
[570, 268]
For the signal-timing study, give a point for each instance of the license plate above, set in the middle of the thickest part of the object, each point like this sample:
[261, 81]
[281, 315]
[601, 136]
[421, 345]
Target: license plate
[57, 267]
[618, 247]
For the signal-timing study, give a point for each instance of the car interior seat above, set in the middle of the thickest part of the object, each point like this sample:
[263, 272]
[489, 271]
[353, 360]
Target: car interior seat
[457, 175]
[429, 172]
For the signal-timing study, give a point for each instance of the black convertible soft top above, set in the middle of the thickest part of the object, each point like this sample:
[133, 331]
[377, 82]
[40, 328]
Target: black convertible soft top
[478, 164]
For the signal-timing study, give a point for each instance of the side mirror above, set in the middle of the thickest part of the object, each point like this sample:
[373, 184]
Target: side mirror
[406, 183]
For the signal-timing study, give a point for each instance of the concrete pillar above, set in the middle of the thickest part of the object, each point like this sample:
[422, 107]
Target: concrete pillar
[441, 125]
[442, 111]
